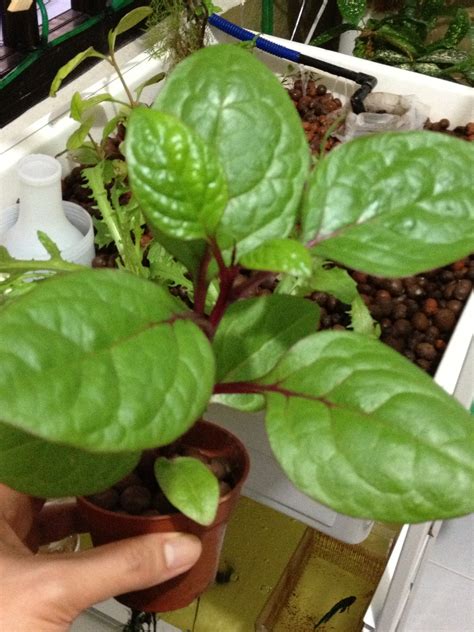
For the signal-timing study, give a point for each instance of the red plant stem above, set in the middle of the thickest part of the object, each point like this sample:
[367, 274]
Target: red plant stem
[226, 282]
[216, 251]
[201, 284]
[227, 277]
[247, 388]
[247, 288]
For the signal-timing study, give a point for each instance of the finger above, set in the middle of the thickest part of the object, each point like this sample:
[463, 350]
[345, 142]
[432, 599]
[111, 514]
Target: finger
[113, 569]
[18, 510]
[58, 520]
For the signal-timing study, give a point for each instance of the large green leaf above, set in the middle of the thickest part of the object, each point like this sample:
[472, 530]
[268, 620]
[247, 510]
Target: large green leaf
[254, 334]
[359, 428]
[33, 466]
[240, 109]
[176, 177]
[190, 486]
[101, 360]
[392, 204]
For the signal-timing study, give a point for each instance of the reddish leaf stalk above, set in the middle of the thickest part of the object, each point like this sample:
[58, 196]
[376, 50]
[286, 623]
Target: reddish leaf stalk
[247, 388]
[247, 288]
[201, 284]
[227, 277]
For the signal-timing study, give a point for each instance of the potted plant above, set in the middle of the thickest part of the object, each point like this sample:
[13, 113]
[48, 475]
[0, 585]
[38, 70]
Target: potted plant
[98, 366]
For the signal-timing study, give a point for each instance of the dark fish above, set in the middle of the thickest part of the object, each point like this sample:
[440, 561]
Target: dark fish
[341, 606]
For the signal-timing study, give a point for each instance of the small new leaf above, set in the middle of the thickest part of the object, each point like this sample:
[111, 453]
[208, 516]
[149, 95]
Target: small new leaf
[79, 136]
[128, 21]
[49, 245]
[361, 320]
[279, 255]
[335, 281]
[190, 486]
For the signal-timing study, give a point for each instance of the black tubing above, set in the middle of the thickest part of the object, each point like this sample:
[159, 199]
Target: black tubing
[366, 82]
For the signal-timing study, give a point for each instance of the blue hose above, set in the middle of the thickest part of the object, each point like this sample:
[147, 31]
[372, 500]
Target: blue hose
[366, 82]
[242, 34]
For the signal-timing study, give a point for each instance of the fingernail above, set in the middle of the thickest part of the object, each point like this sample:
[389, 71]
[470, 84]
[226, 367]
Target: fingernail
[181, 550]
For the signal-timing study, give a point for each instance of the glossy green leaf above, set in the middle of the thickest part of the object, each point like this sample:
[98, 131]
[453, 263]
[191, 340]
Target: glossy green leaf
[176, 177]
[362, 430]
[379, 197]
[103, 362]
[37, 467]
[352, 10]
[131, 19]
[255, 333]
[240, 109]
[66, 70]
[279, 255]
[190, 486]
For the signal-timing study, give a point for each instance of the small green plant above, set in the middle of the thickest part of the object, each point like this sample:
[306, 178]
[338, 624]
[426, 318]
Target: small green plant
[98, 365]
[119, 220]
[404, 37]
[177, 28]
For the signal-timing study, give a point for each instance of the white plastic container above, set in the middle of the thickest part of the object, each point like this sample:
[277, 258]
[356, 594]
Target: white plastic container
[41, 208]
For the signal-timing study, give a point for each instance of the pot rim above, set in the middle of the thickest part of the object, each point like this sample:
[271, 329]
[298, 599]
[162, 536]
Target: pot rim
[162, 518]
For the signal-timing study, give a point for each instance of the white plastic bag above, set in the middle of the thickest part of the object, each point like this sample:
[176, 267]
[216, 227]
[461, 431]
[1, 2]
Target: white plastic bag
[385, 112]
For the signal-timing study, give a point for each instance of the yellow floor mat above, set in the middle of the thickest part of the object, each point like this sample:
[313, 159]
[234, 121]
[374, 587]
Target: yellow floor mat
[260, 547]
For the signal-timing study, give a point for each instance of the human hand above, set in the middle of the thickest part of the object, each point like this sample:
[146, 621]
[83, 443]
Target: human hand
[46, 592]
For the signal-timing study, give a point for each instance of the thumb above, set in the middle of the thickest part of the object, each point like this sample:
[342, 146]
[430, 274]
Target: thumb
[127, 565]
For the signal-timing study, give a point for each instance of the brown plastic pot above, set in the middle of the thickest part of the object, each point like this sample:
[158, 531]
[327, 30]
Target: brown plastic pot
[108, 526]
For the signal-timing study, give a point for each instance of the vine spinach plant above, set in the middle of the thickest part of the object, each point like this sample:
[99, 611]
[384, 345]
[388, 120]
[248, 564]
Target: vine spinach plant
[98, 365]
